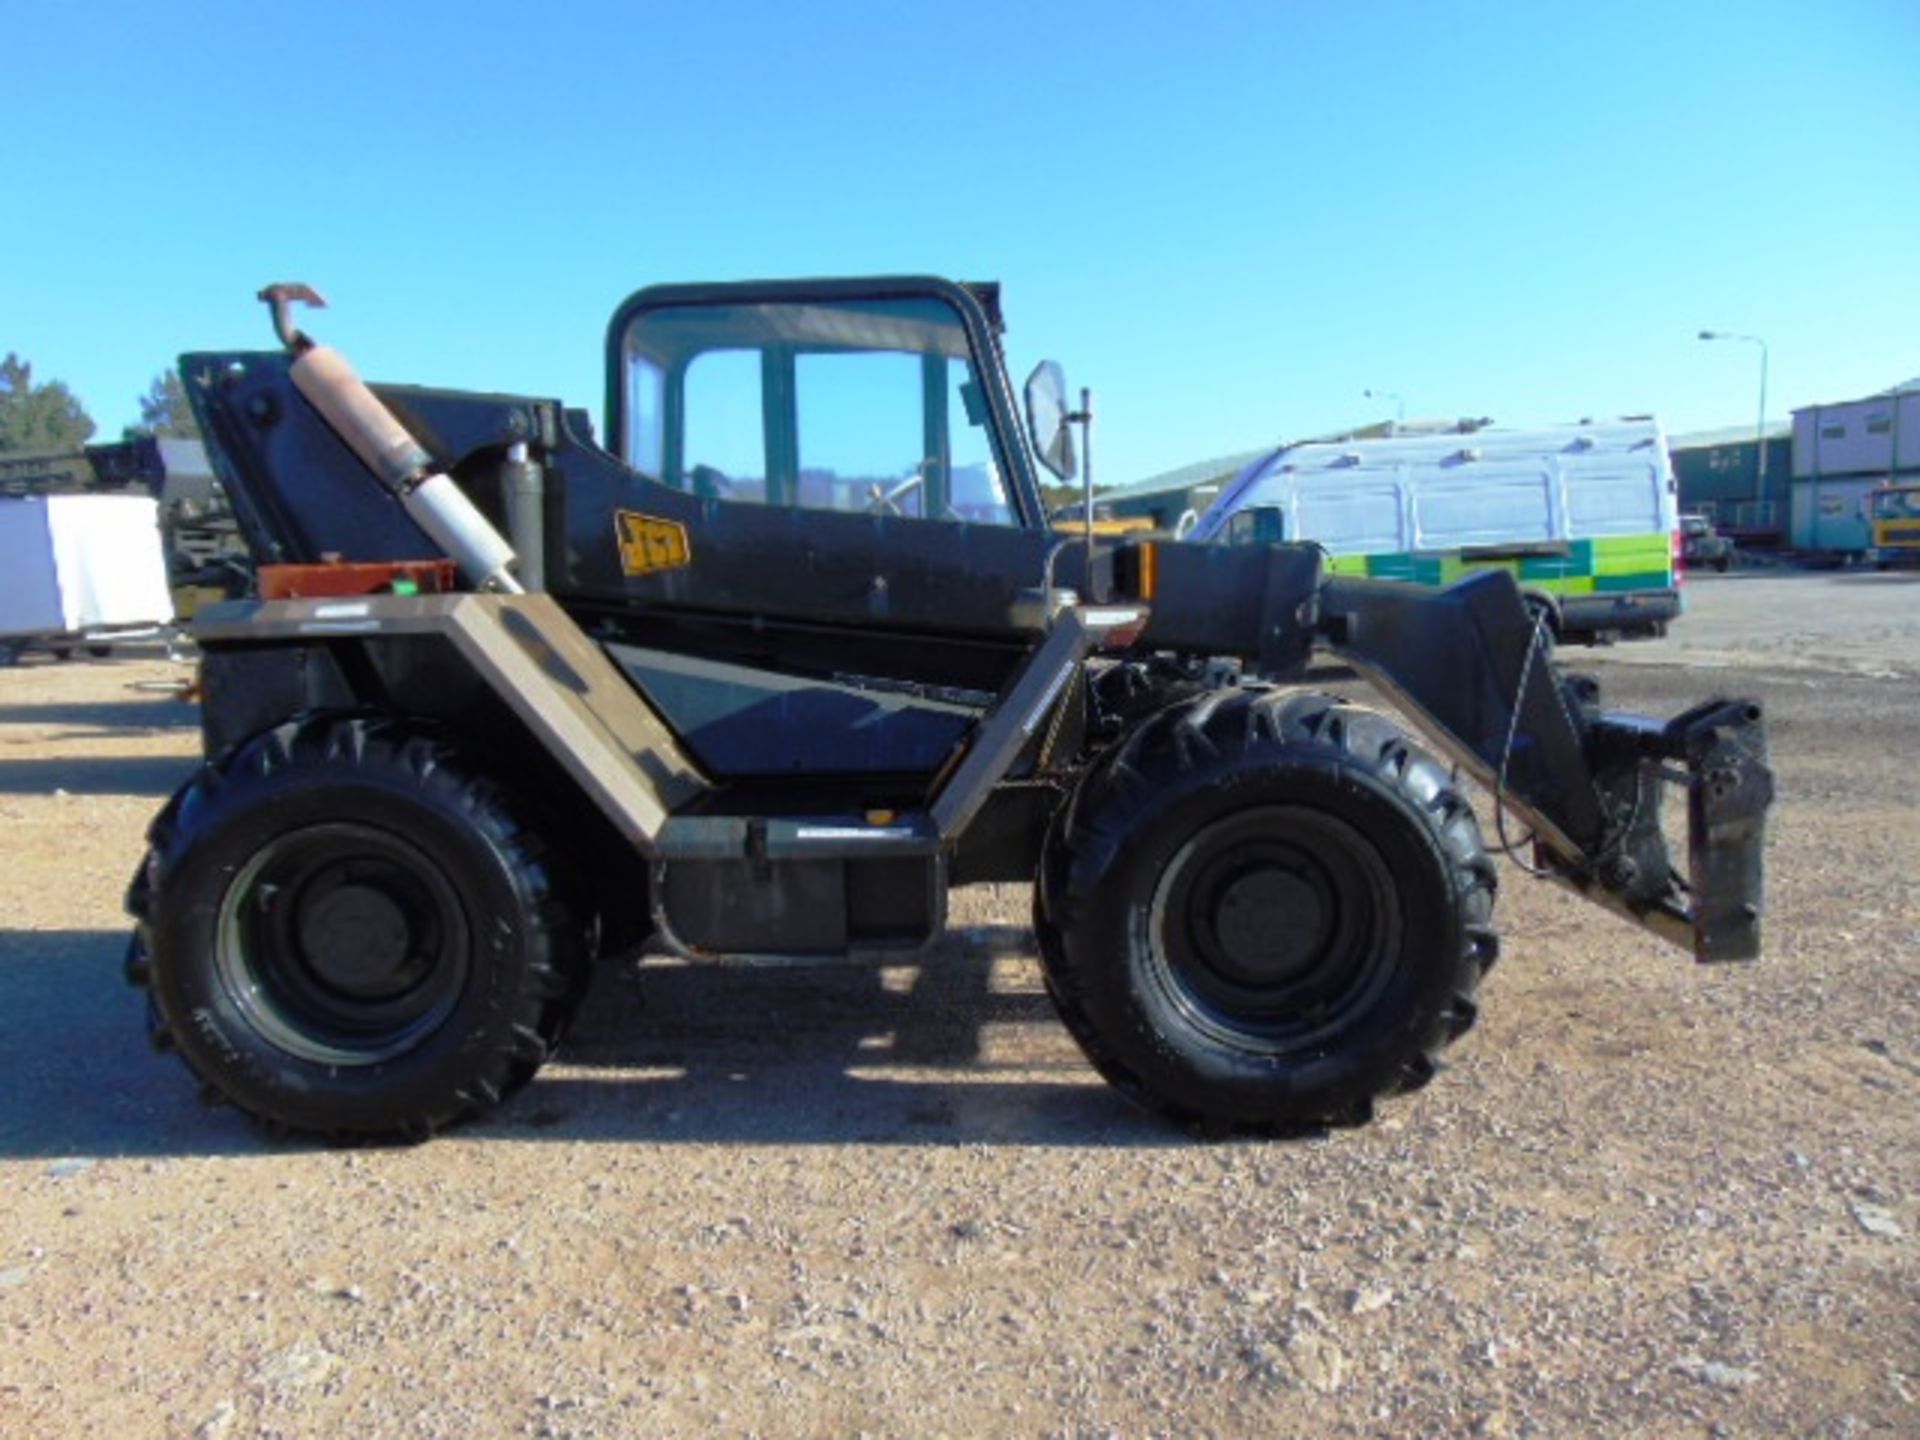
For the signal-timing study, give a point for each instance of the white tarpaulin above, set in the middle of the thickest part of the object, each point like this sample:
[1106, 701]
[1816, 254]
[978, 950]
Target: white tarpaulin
[78, 563]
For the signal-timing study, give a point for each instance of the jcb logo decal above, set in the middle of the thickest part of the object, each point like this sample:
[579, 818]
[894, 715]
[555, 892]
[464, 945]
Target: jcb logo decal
[649, 545]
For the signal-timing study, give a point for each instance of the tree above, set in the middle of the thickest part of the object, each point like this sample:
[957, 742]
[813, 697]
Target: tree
[38, 418]
[164, 410]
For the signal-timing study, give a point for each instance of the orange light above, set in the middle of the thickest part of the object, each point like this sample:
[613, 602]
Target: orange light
[1149, 570]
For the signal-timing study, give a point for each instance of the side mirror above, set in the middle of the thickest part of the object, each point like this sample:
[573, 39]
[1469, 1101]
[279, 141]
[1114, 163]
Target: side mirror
[1047, 424]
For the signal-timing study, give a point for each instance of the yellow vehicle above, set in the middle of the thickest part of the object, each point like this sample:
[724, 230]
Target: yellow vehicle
[1106, 524]
[1894, 513]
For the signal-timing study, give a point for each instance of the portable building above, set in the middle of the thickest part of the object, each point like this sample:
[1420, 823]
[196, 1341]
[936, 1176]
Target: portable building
[1841, 453]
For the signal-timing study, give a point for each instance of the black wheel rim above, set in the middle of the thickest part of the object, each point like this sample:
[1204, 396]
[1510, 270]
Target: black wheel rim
[342, 944]
[1274, 928]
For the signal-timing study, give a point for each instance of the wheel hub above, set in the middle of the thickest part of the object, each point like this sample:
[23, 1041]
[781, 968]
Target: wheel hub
[1275, 926]
[356, 939]
[1269, 924]
[343, 944]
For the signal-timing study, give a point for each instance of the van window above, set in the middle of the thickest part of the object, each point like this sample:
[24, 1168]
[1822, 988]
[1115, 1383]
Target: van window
[1484, 507]
[1613, 502]
[1362, 520]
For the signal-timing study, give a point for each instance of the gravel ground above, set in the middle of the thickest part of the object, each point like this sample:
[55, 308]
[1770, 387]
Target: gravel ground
[1644, 1198]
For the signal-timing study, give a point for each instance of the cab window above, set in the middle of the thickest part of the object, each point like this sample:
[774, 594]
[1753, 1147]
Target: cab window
[860, 431]
[867, 407]
[722, 450]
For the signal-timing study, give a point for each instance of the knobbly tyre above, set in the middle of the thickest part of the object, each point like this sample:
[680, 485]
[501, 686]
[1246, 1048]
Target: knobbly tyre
[789, 658]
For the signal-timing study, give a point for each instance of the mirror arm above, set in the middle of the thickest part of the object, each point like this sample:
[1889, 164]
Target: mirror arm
[1083, 417]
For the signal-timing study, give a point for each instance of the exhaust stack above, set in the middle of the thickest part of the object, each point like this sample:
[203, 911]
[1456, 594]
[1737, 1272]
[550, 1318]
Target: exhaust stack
[434, 502]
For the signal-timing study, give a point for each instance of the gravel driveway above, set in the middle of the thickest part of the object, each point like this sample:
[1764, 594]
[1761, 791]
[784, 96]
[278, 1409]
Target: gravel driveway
[1644, 1199]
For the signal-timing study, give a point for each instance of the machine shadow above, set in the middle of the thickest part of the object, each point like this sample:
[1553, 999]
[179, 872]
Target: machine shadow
[946, 1050]
[663, 1053]
[96, 775]
[93, 720]
[81, 1078]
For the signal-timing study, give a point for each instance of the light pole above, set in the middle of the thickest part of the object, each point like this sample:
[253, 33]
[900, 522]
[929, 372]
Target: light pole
[1399, 405]
[1760, 427]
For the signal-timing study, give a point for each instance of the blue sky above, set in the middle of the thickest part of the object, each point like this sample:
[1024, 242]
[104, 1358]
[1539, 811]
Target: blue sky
[1230, 220]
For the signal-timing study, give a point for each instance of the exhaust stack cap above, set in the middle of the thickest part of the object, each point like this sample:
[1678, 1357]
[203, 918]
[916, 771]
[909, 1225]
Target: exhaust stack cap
[281, 298]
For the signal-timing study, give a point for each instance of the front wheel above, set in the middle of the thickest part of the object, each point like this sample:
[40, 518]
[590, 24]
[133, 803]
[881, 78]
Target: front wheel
[1265, 910]
[346, 931]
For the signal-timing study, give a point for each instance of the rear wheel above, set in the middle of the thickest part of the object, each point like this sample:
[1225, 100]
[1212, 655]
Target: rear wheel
[346, 931]
[1266, 910]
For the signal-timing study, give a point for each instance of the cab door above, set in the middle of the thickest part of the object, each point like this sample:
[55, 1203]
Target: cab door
[847, 516]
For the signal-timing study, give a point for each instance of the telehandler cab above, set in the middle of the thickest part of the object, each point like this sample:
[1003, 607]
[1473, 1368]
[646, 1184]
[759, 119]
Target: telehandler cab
[793, 654]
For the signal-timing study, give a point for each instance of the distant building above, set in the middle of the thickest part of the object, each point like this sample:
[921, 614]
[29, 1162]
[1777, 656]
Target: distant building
[1719, 476]
[1164, 498]
[1840, 453]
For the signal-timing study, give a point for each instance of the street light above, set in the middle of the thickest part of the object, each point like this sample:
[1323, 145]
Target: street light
[1760, 429]
[1399, 405]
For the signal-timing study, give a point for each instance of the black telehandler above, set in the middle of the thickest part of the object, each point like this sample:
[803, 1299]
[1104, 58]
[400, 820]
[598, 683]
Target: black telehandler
[793, 654]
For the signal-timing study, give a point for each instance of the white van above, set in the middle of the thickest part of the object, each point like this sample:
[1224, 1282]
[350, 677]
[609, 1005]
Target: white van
[1584, 516]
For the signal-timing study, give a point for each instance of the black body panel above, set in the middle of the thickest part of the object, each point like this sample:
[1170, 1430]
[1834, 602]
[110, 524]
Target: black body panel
[757, 722]
[790, 582]
[298, 491]
[802, 907]
[1463, 655]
